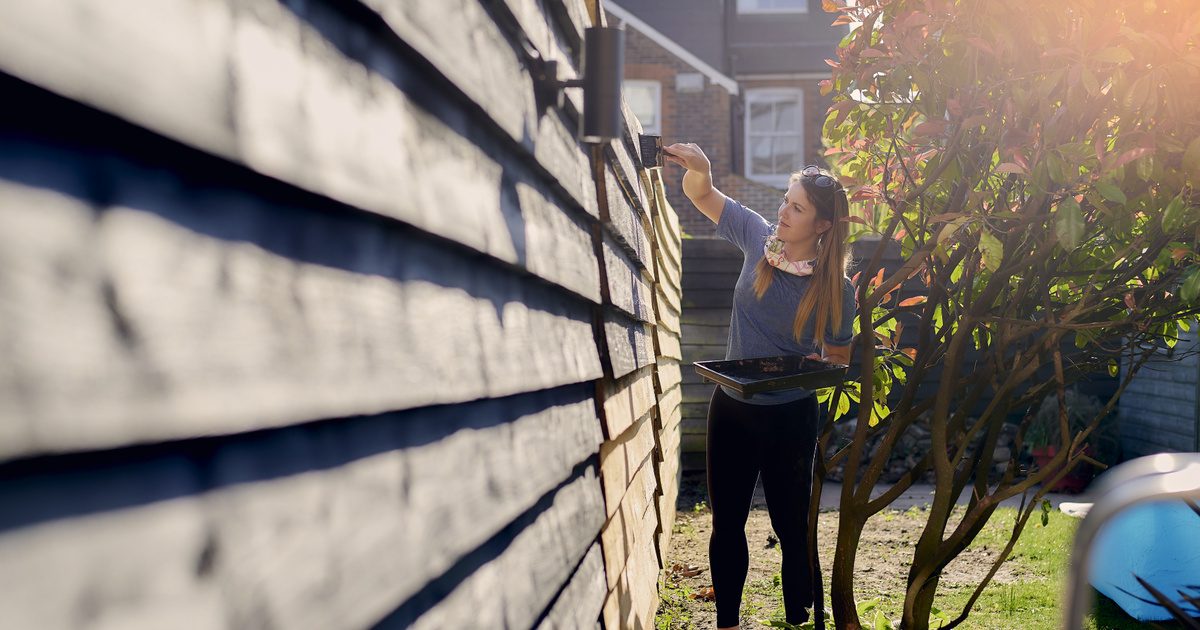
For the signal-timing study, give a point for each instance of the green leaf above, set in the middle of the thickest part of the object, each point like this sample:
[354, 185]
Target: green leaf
[1191, 285]
[1145, 167]
[1191, 159]
[1173, 215]
[843, 406]
[881, 621]
[1056, 168]
[1114, 54]
[1069, 221]
[867, 606]
[1113, 368]
[993, 249]
[1090, 83]
[879, 411]
[1111, 192]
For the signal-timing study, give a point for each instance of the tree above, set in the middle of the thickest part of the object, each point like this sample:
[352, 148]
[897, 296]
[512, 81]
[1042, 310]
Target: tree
[1037, 164]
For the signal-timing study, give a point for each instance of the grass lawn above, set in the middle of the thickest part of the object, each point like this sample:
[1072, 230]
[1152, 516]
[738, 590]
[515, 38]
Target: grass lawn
[1026, 595]
[1034, 601]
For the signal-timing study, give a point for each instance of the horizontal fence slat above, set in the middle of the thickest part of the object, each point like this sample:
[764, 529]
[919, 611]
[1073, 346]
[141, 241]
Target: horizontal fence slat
[544, 554]
[621, 218]
[630, 345]
[579, 604]
[161, 331]
[627, 400]
[272, 517]
[308, 115]
[628, 287]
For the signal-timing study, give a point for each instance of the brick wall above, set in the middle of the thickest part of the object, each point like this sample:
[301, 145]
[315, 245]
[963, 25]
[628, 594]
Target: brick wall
[702, 117]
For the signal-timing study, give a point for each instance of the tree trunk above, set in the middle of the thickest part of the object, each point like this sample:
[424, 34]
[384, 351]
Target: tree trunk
[916, 616]
[841, 587]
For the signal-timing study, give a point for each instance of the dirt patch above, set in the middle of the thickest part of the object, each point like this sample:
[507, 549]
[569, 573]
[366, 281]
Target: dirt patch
[884, 556]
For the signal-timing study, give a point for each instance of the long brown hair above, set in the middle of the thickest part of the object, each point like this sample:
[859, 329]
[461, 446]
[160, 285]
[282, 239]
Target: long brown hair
[824, 293]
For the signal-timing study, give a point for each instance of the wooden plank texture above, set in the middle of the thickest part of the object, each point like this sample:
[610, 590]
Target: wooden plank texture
[620, 461]
[627, 400]
[303, 527]
[626, 527]
[544, 553]
[274, 95]
[630, 345]
[628, 287]
[619, 216]
[669, 374]
[578, 606]
[161, 331]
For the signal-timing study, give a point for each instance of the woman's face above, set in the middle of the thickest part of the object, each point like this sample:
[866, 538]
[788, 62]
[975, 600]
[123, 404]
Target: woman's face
[798, 220]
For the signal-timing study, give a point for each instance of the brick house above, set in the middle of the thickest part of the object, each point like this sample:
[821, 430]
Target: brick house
[739, 78]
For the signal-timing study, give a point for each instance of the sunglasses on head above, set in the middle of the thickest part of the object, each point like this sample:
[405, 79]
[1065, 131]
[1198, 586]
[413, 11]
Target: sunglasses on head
[813, 172]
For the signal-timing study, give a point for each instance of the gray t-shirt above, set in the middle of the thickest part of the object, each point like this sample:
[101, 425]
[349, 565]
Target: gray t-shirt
[763, 328]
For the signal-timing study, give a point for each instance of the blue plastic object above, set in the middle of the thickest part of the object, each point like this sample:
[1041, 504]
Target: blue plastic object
[1158, 541]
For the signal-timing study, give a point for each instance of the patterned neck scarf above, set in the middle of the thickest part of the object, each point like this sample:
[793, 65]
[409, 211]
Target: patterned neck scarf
[773, 252]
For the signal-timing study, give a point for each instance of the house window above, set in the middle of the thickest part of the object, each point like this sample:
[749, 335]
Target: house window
[772, 6]
[774, 132]
[645, 100]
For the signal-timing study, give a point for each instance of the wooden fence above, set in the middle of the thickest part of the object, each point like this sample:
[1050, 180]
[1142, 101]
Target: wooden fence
[312, 319]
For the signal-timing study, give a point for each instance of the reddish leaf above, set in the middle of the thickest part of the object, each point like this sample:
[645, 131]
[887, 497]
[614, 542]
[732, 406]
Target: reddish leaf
[843, 109]
[981, 45]
[1009, 167]
[1058, 52]
[1130, 156]
[910, 352]
[913, 301]
[929, 128]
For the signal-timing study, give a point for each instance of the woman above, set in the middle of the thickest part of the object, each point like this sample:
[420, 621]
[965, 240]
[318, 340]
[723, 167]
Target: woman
[793, 281]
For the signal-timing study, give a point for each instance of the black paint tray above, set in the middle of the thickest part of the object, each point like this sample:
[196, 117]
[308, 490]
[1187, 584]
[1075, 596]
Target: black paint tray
[767, 374]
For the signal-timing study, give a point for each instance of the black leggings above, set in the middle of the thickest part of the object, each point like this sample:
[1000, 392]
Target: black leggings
[780, 441]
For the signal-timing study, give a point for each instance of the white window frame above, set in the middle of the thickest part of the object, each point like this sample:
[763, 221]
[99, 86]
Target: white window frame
[656, 89]
[744, 10]
[752, 95]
